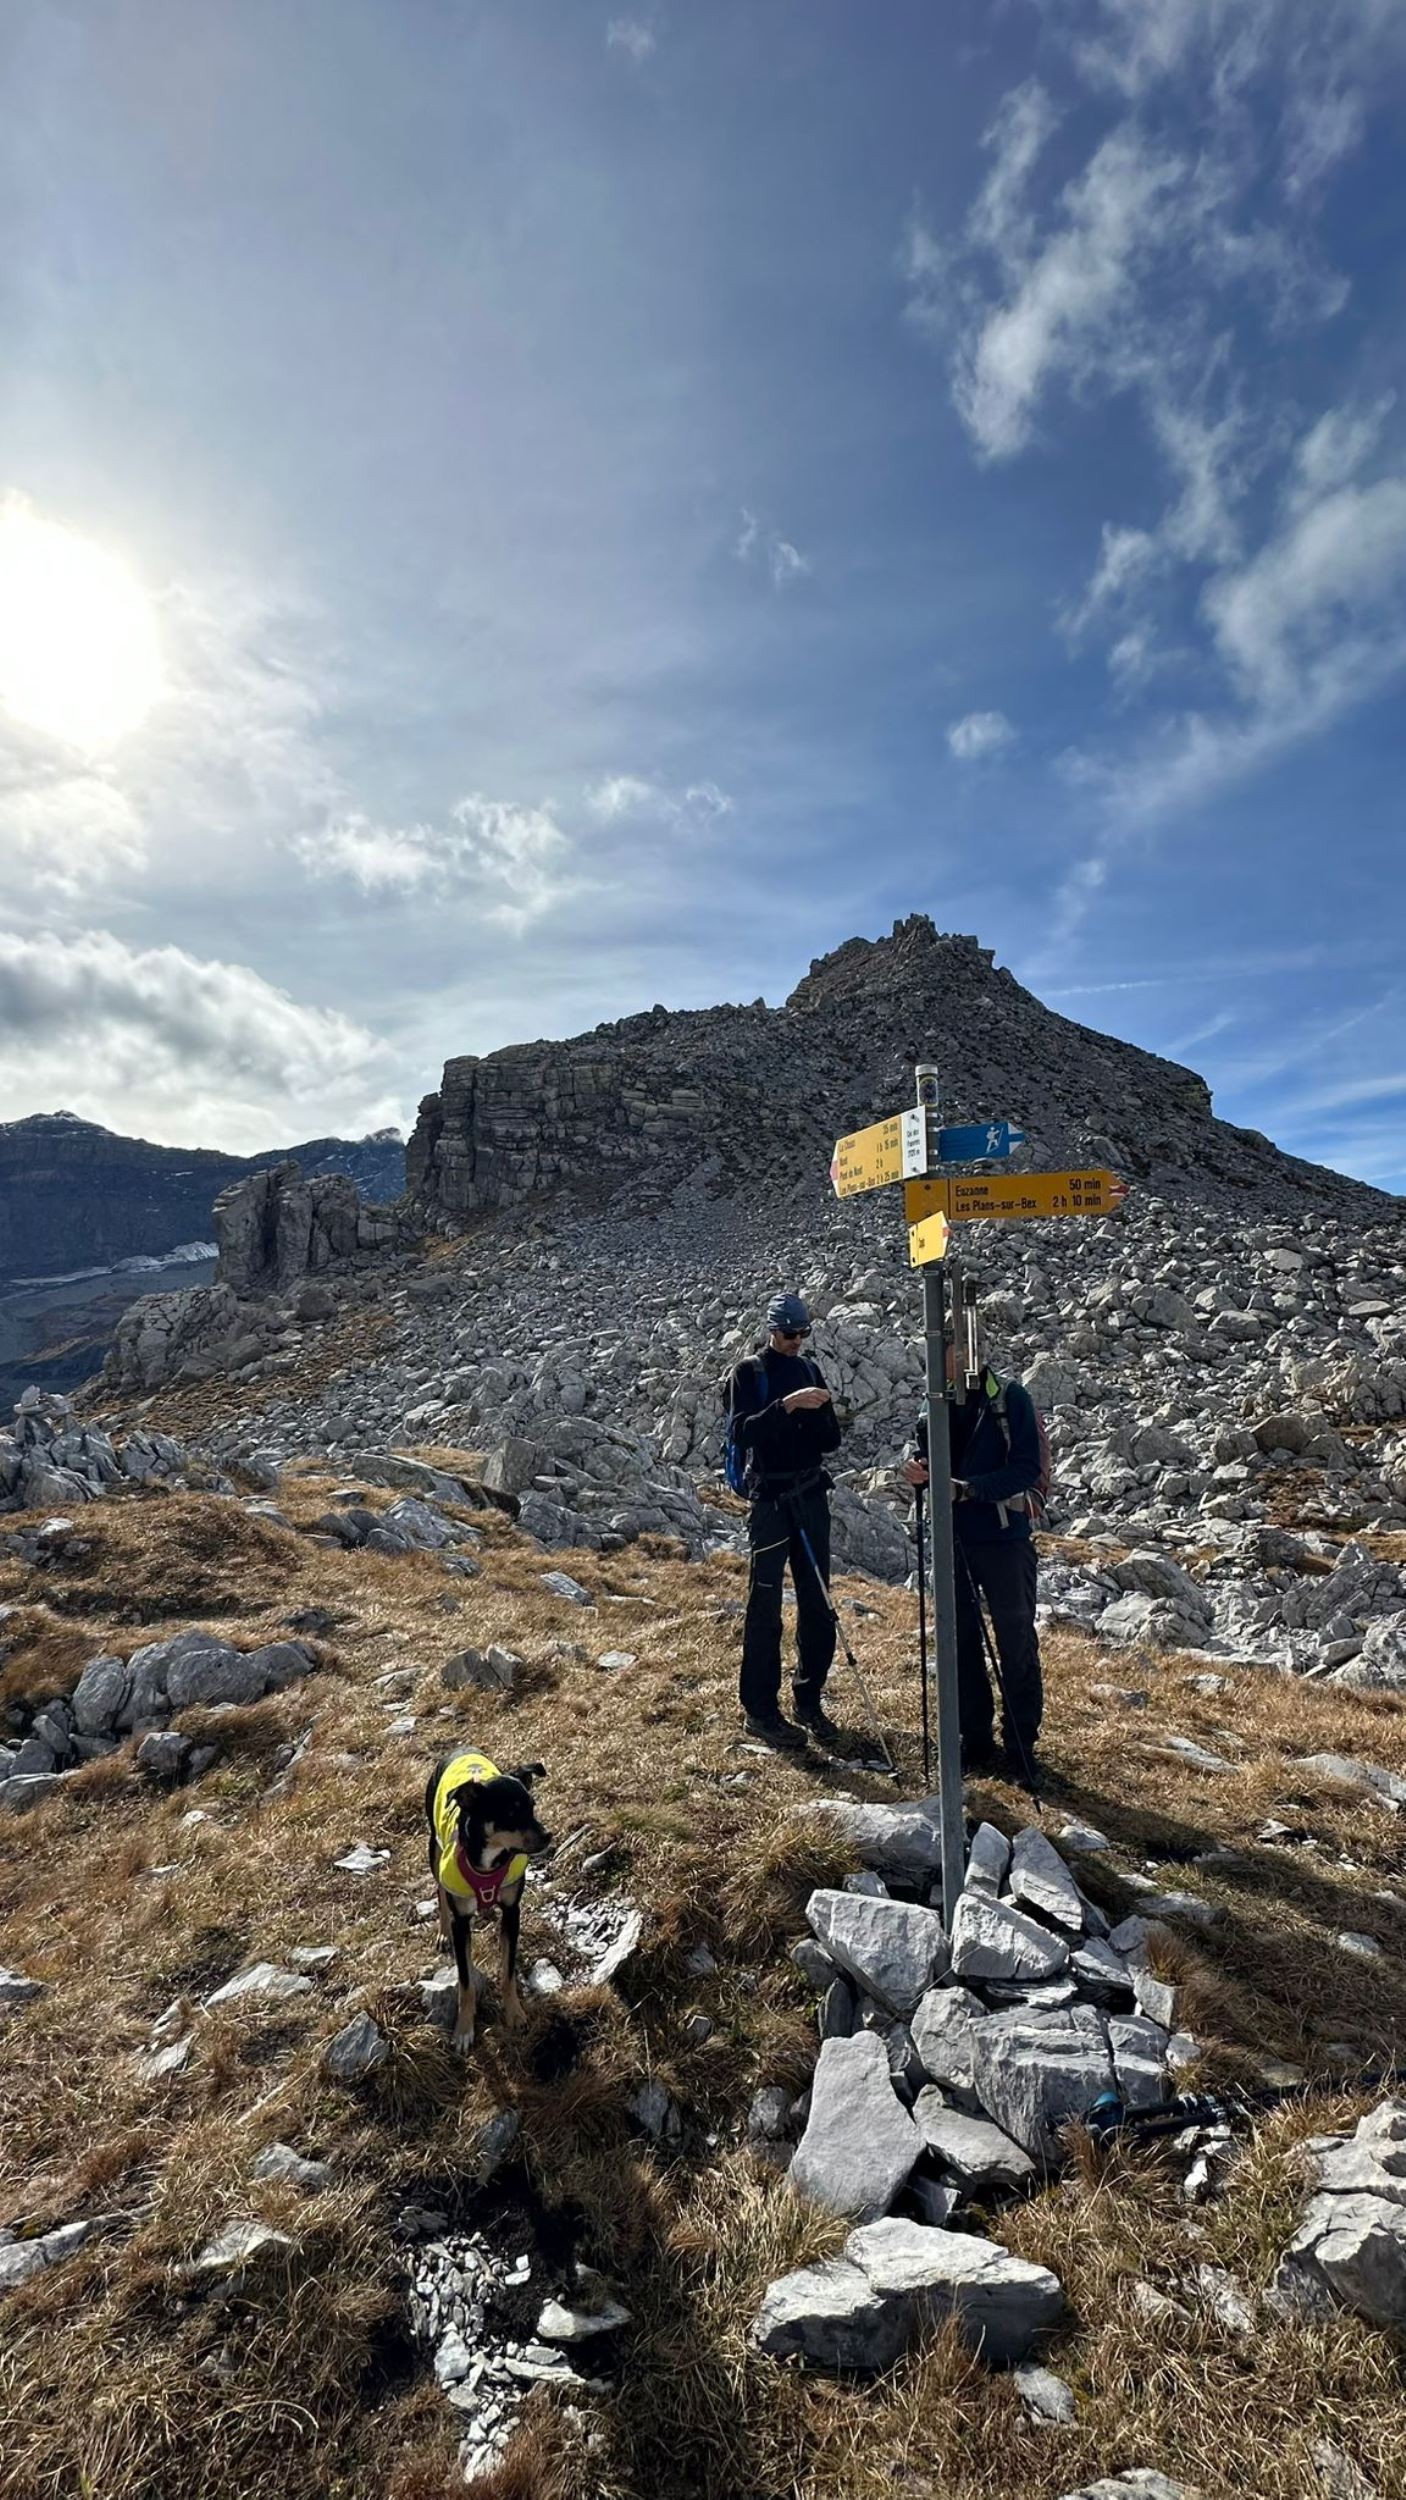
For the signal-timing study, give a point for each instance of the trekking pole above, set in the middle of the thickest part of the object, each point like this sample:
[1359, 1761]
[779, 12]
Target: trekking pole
[923, 1636]
[1111, 2116]
[843, 1637]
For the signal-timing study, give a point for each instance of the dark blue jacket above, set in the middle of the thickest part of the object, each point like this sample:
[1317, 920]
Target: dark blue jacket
[782, 1447]
[979, 1458]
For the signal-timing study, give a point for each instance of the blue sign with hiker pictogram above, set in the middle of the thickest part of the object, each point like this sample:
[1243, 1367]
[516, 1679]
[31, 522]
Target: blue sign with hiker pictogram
[982, 1141]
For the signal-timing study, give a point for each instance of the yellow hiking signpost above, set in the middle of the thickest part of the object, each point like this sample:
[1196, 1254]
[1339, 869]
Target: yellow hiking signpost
[1011, 1197]
[913, 1147]
[892, 1150]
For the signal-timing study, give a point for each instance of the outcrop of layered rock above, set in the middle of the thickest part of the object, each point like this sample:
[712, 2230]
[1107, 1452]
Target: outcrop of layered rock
[276, 1233]
[732, 1101]
[74, 1195]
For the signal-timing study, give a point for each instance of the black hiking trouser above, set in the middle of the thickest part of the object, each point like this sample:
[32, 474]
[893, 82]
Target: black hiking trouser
[1005, 1576]
[774, 1533]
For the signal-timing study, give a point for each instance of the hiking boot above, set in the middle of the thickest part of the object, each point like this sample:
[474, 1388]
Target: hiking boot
[813, 1716]
[983, 1761]
[777, 1732]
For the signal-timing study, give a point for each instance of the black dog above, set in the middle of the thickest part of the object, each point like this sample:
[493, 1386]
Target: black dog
[483, 1830]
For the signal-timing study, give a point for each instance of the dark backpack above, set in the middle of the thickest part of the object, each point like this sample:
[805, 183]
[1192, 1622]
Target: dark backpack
[1036, 1501]
[736, 1462]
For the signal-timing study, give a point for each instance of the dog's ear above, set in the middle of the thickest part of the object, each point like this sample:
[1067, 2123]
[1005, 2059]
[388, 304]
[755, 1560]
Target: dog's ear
[527, 1772]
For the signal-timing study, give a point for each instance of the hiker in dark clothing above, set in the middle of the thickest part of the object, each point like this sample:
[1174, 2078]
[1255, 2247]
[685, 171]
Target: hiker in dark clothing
[784, 1421]
[996, 1466]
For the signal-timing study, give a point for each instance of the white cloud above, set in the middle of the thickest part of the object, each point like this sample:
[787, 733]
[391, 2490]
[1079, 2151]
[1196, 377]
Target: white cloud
[1001, 220]
[378, 858]
[70, 831]
[161, 1041]
[512, 859]
[624, 796]
[1151, 275]
[1075, 894]
[787, 562]
[621, 794]
[631, 35]
[978, 735]
[1335, 449]
[705, 800]
[1325, 598]
[784, 562]
[1065, 308]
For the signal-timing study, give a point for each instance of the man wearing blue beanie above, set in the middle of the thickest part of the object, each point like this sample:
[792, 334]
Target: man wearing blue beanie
[782, 1420]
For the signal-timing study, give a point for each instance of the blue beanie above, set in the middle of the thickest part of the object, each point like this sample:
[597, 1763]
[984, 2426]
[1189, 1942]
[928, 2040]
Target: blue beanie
[787, 1312]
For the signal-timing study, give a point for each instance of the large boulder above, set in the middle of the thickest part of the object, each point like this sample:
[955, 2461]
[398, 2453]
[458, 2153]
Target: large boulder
[892, 1949]
[860, 2143]
[857, 2311]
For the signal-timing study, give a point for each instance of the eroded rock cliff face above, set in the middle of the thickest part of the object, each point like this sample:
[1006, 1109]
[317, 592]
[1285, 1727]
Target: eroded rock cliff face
[74, 1195]
[745, 1099]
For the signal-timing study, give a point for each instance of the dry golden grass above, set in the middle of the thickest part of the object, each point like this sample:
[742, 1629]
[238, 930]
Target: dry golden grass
[127, 2383]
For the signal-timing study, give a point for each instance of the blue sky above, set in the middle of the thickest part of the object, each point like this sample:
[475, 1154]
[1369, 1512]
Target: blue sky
[622, 502]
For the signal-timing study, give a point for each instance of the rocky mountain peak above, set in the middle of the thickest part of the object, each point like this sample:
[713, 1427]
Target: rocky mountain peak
[913, 957]
[744, 1102]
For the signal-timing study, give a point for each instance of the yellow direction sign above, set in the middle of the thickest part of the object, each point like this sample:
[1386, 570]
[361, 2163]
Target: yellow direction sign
[1015, 1197]
[869, 1158]
[927, 1241]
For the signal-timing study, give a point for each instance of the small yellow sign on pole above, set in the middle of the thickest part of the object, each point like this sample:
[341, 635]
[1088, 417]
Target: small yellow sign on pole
[1015, 1197]
[927, 1241]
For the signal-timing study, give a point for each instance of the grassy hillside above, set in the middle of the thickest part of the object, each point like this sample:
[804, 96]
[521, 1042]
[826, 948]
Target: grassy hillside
[124, 2378]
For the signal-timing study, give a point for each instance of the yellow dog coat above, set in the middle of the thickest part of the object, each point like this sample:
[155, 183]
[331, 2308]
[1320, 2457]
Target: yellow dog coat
[461, 1880]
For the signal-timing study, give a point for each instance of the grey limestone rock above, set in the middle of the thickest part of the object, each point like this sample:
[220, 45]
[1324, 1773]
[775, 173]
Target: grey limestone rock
[241, 2246]
[1040, 1880]
[98, 1696]
[260, 1979]
[900, 1842]
[281, 2162]
[942, 2030]
[1036, 2071]
[971, 2150]
[987, 1860]
[893, 1950]
[1140, 2482]
[358, 2048]
[859, 2144]
[1350, 2244]
[857, 2311]
[991, 1940]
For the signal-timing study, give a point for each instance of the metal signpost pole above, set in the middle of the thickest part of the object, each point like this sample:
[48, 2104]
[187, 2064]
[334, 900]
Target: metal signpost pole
[952, 1831]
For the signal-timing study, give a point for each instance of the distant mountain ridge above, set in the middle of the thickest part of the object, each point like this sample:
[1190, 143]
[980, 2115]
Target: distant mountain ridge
[75, 1195]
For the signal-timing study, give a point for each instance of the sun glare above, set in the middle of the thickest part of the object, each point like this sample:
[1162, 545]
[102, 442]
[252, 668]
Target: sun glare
[79, 656]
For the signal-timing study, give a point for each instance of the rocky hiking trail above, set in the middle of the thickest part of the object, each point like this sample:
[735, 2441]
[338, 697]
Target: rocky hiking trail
[257, 2222]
